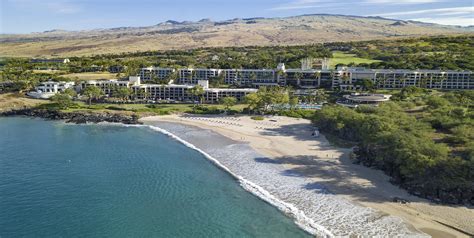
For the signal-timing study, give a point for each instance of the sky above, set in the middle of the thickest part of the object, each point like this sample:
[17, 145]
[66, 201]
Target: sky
[25, 16]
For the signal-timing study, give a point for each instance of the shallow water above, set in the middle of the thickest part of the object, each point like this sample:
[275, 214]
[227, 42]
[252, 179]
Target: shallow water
[62, 180]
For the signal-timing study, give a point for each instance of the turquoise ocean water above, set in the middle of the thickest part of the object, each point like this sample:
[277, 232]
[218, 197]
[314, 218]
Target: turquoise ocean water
[62, 180]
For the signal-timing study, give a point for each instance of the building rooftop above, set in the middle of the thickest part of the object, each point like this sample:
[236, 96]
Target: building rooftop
[365, 97]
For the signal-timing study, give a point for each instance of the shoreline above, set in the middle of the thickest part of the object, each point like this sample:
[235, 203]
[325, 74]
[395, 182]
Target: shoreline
[267, 140]
[78, 117]
[315, 206]
[301, 220]
[418, 215]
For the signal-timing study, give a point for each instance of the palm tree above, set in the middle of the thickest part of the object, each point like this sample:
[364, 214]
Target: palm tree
[191, 76]
[238, 79]
[403, 80]
[317, 76]
[92, 92]
[440, 79]
[253, 76]
[281, 75]
[298, 77]
[197, 91]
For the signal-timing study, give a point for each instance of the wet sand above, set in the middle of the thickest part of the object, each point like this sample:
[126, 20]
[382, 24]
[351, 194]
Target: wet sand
[347, 199]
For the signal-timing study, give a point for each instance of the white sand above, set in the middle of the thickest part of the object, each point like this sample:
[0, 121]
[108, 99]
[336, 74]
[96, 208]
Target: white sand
[289, 143]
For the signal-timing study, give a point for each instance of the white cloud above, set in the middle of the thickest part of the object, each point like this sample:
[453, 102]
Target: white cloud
[461, 16]
[455, 21]
[53, 6]
[439, 11]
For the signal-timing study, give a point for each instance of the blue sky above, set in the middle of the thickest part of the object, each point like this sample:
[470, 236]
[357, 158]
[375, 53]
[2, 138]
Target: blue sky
[24, 16]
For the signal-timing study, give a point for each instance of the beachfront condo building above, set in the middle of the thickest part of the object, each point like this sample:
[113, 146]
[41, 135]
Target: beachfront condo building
[343, 78]
[192, 76]
[350, 78]
[108, 86]
[254, 78]
[168, 92]
[156, 74]
[181, 92]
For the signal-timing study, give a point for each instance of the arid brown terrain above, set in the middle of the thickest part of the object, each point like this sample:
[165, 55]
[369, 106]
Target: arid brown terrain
[305, 29]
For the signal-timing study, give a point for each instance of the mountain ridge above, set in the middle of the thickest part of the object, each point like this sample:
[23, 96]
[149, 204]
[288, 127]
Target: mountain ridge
[255, 31]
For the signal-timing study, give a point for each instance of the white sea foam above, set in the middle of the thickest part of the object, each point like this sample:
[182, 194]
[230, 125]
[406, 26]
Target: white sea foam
[315, 210]
[301, 219]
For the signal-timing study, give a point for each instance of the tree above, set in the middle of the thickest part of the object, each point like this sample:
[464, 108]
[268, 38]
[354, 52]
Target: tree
[298, 76]
[316, 96]
[253, 76]
[267, 97]
[366, 84]
[293, 102]
[217, 81]
[317, 76]
[92, 92]
[146, 94]
[228, 102]
[197, 91]
[154, 78]
[71, 92]
[253, 101]
[281, 75]
[62, 100]
[170, 78]
[122, 92]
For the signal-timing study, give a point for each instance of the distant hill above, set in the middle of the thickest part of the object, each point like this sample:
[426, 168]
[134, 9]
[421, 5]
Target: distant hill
[171, 34]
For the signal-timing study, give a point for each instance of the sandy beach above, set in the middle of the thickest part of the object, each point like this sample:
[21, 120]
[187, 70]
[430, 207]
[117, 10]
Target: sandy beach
[319, 179]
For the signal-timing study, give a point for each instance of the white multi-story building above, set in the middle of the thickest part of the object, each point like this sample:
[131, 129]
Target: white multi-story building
[155, 73]
[108, 86]
[343, 78]
[192, 76]
[348, 78]
[175, 92]
[170, 92]
[251, 77]
[48, 89]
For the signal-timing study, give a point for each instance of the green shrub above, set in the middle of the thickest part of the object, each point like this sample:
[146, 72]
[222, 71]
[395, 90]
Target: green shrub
[299, 113]
[257, 118]
[115, 108]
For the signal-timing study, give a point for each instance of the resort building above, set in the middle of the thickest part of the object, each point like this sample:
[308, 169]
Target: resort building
[356, 99]
[48, 89]
[108, 86]
[257, 77]
[175, 92]
[155, 73]
[349, 78]
[343, 78]
[192, 76]
[168, 92]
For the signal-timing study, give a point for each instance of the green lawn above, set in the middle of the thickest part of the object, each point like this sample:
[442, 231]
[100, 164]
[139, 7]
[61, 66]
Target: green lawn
[158, 109]
[345, 58]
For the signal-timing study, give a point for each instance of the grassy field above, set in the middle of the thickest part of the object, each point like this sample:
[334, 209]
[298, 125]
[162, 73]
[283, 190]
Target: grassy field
[344, 58]
[9, 101]
[147, 109]
[48, 71]
[90, 76]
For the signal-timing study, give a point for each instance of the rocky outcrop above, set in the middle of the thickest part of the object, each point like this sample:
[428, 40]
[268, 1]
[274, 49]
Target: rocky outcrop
[79, 117]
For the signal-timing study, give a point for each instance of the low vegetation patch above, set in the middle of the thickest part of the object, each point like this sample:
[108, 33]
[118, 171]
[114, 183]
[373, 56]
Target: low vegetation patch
[257, 118]
[429, 152]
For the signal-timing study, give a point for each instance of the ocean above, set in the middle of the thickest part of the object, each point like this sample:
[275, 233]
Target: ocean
[65, 180]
